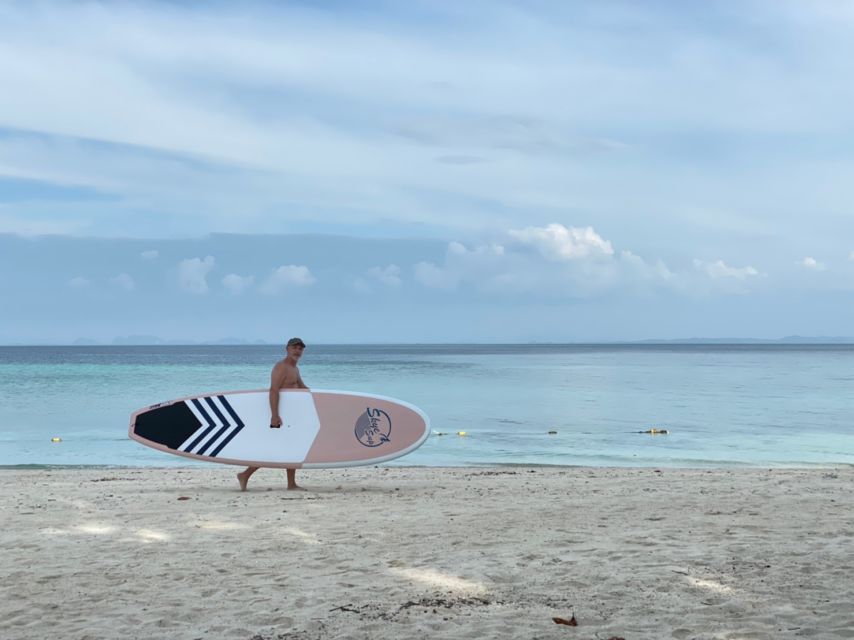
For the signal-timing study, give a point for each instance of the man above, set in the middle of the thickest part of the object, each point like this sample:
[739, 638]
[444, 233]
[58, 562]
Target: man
[285, 376]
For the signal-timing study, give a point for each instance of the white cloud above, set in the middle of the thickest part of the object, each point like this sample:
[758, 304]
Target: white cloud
[78, 283]
[360, 285]
[655, 271]
[719, 270]
[435, 277]
[557, 242]
[812, 264]
[388, 275]
[150, 254]
[287, 276]
[459, 249]
[510, 108]
[497, 269]
[192, 274]
[124, 281]
[237, 284]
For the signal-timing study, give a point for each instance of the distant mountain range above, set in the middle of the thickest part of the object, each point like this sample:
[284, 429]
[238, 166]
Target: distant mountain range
[148, 340]
[785, 340]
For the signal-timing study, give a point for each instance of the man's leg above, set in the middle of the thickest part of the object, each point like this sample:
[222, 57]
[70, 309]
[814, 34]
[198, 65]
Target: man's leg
[292, 479]
[243, 477]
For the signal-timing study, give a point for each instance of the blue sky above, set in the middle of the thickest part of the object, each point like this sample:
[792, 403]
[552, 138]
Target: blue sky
[426, 171]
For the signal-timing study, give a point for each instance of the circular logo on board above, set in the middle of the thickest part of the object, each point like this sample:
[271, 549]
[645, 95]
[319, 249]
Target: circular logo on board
[373, 427]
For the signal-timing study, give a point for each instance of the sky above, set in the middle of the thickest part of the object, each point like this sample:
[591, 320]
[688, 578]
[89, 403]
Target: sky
[426, 171]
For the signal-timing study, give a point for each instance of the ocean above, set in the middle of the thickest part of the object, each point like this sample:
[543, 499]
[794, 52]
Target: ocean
[722, 405]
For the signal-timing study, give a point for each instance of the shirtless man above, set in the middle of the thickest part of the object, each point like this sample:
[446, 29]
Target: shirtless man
[285, 376]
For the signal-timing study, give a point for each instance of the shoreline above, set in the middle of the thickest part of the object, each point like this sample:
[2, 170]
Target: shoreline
[744, 466]
[426, 552]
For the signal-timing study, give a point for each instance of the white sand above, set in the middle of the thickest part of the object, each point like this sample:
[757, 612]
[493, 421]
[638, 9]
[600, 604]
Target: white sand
[428, 553]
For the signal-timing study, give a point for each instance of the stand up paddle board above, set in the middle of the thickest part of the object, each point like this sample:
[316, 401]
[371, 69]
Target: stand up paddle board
[319, 428]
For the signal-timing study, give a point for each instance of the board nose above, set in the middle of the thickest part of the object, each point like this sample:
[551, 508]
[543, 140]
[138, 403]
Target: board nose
[169, 425]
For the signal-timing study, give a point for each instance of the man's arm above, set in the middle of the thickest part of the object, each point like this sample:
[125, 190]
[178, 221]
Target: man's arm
[300, 383]
[276, 380]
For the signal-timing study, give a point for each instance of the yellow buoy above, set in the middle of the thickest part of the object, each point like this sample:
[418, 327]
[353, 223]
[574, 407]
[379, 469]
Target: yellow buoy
[56, 439]
[461, 433]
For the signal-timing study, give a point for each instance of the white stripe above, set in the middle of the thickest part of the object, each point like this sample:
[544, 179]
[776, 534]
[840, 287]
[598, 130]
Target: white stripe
[218, 440]
[198, 431]
[196, 413]
[210, 443]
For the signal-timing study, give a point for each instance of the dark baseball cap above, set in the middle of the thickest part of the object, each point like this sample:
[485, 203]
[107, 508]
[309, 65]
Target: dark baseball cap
[296, 341]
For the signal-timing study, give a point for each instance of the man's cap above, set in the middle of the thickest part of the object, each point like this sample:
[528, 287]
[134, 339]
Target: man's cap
[296, 341]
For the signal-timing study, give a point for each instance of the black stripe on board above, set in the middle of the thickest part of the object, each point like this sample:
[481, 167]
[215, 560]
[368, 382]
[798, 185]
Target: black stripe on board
[225, 425]
[212, 439]
[234, 417]
[231, 411]
[211, 425]
[218, 413]
[201, 409]
[170, 425]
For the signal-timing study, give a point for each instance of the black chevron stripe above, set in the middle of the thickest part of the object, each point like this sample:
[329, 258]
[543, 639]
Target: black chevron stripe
[231, 411]
[236, 419]
[210, 426]
[225, 426]
[216, 410]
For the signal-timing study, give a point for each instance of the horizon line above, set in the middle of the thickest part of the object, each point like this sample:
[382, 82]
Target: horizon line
[787, 340]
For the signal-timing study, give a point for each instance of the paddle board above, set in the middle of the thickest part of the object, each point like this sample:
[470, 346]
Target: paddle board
[319, 428]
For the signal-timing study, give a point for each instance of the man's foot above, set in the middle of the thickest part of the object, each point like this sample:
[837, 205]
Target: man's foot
[243, 479]
[294, 487]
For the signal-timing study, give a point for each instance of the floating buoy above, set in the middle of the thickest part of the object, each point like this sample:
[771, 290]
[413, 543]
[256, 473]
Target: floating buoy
[552, 433]
[654, 432]
[461, 433]
[55, 439]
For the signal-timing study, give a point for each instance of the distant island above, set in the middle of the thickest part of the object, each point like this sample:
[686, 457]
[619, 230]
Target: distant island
[150, 340]
[785, 340]
[147, 341]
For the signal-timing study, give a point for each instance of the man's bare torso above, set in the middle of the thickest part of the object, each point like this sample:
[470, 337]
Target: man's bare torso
[287, 374]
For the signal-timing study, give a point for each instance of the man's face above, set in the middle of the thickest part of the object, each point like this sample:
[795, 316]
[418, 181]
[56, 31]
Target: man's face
[295, 351]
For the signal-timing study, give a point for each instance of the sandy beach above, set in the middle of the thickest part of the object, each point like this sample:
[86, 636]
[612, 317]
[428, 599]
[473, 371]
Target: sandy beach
[428, 553]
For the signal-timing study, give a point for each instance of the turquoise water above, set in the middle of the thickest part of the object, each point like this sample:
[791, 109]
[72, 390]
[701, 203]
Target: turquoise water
[722, 405]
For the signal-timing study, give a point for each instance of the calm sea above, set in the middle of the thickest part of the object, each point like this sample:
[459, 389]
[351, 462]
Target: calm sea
[722, 405]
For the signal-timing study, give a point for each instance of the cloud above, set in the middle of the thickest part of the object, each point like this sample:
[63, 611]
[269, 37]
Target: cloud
[557, 242]
[460, 159]
[484, 250]
[360, 285]
[720, 270]
[436, 277]
[78, 282]
[150, 254]
[237, 284]
[286, 277]
[462, 133]
[812, 264]
[569, 262]
[658, 270]
[388, 275]
[192, 274]
[123, 281]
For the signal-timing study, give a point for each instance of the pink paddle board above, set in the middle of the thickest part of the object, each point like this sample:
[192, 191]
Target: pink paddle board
[319, 428]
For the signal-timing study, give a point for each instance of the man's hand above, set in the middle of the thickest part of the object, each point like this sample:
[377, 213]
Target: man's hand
[275, 422]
